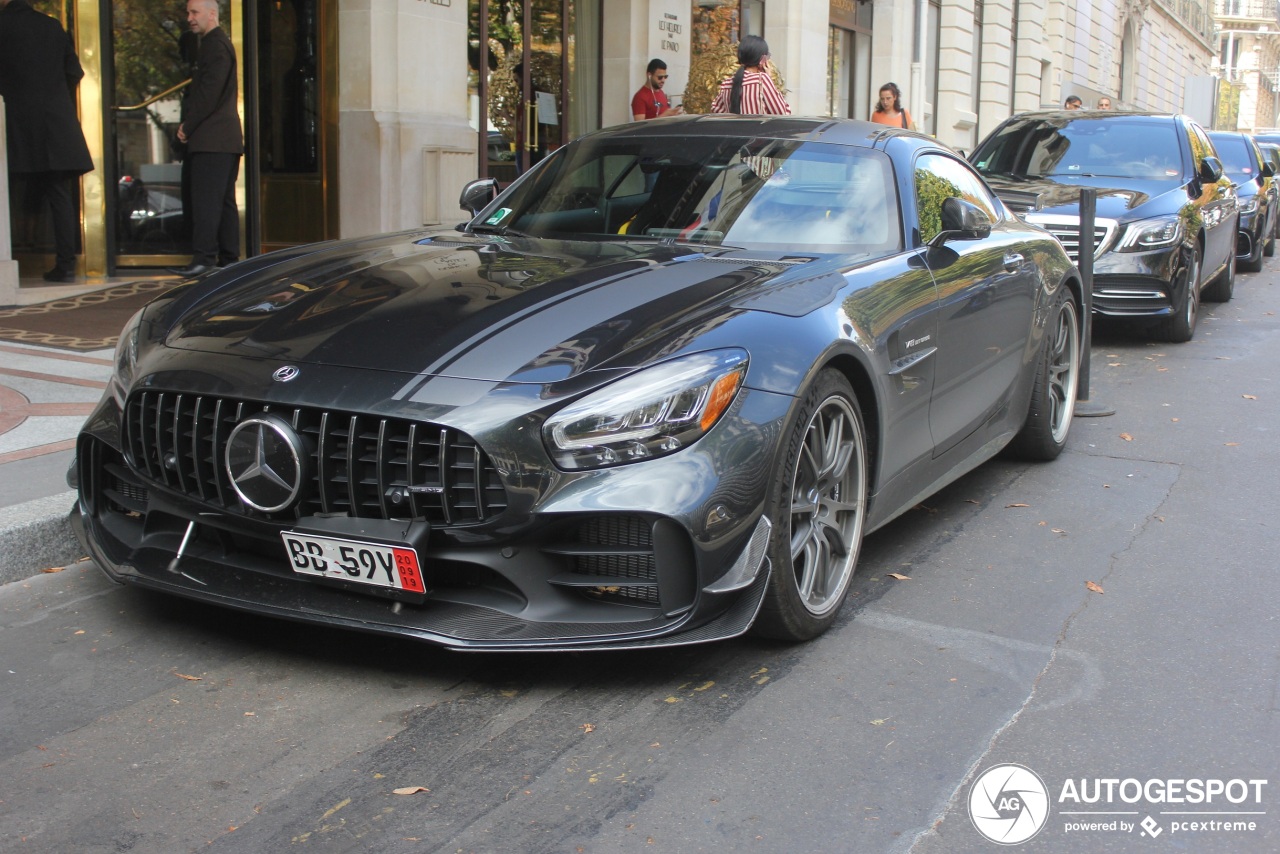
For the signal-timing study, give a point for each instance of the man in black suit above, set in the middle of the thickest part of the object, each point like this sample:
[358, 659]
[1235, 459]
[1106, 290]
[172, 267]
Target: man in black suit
[39, 72]
[211, 130]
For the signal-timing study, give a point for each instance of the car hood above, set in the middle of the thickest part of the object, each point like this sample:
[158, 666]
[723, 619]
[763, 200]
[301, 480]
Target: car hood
[1118, 198]
[480, 307]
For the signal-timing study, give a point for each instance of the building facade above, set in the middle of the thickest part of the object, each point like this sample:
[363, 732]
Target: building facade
[364, 116]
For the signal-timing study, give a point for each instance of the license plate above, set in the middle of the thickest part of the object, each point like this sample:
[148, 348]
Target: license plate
[374, 564]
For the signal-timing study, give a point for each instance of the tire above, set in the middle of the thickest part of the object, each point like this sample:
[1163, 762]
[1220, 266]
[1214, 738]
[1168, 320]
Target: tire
[818, 506]
[1221, 288]
[1253, 264]
[1053, 394]
[1269, 248]
[1180, 326]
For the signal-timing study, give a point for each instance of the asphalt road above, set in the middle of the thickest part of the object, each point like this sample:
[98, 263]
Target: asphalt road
[132, 722]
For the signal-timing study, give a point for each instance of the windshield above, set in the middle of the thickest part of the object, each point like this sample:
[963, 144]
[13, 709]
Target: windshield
[749, 193]
[1110, 147]
[1237, 157]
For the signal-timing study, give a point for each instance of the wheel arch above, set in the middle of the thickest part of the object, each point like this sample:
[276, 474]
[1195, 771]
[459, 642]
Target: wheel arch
[865, 390]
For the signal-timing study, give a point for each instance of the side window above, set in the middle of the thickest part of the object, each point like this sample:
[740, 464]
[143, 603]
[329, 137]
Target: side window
[938, 178]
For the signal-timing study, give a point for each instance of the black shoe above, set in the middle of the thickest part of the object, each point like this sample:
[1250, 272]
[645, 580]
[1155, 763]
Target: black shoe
[57, 274]
[191, 270]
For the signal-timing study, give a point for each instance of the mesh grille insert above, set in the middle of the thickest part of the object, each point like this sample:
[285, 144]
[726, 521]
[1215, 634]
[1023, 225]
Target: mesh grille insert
[361, 465]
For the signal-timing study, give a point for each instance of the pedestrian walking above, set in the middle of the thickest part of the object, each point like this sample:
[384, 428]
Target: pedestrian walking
[1073, 102]
[211, 131]
[1104, 103]
[750, 91]
[889, 109]
[39, 73]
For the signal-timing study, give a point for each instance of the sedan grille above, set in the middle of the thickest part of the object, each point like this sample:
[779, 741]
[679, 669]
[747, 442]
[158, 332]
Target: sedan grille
[360, 465]
[1067, 230]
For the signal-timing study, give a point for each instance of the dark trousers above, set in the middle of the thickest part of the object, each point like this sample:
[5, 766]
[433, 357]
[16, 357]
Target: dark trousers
[57, 189]
[215, 220]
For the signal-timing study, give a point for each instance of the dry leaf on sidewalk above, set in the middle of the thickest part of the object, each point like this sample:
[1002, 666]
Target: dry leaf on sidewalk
[1096, 588]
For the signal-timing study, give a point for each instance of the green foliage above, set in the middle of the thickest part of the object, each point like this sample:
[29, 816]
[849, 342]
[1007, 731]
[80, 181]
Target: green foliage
[931, 192]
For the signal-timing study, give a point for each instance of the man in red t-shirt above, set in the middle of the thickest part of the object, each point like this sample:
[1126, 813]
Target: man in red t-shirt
[650, 102]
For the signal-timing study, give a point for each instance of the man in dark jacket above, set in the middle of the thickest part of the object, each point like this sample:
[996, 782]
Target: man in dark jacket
[39, 72]
[211, 130]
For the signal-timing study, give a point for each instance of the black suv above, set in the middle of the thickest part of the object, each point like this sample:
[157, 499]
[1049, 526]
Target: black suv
[1165, 231]
[1252, 173]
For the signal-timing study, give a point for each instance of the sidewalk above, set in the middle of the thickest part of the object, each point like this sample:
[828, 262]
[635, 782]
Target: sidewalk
[45, 395]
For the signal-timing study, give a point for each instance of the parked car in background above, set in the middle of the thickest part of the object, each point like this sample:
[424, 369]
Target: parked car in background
[1253, 176]
[653, 393]
[1271, 153]
[1167, 216]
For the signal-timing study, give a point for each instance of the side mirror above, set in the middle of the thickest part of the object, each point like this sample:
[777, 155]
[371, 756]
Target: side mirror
[962, 220]
[1211, 170]
[1268, 171]
[477, 194]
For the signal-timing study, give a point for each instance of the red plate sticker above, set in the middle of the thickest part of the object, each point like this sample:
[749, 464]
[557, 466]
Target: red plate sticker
[407, 567]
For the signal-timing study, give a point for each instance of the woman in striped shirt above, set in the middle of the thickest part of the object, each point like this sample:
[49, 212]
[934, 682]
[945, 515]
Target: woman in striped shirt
[750, 91]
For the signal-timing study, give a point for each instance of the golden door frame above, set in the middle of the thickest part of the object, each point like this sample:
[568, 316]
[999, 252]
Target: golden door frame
[94, 200]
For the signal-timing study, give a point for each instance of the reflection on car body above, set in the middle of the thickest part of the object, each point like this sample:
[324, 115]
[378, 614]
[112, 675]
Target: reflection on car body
[654, 393]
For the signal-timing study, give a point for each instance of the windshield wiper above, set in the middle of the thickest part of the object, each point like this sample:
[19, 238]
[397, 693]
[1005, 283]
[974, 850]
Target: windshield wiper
[500, 230]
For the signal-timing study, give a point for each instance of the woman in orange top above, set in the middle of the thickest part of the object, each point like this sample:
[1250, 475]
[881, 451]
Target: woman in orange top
[890, 110]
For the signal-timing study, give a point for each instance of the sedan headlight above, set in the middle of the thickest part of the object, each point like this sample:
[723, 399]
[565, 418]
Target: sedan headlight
[126, 358]
[1249, 205]
[649, 414]
[1151, 234]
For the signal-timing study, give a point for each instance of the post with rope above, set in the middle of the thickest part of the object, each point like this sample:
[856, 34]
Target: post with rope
[1088, 214]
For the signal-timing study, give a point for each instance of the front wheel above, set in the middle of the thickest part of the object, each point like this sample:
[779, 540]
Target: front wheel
[1053, 394]
[1180, 326]
[818, 506]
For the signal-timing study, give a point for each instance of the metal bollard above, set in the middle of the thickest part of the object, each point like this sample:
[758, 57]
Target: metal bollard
[1088, 214]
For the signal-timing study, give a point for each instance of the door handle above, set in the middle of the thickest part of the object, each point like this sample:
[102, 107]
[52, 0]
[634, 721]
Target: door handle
[1012, 261]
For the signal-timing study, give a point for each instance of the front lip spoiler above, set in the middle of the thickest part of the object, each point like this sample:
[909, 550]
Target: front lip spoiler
[735, 621]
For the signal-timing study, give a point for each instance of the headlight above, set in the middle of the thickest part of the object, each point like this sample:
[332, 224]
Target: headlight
[649, 414]
[1151, 234]
[1249, 205]
[126, 358]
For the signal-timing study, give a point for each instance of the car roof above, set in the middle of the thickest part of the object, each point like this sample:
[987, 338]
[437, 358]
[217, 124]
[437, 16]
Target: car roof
[814, 129]
[1097, 115]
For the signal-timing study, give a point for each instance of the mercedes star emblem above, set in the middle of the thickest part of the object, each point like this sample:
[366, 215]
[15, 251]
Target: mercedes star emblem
[264, 459]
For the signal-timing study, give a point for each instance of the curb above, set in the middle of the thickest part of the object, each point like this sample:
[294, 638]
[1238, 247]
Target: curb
[37, 535]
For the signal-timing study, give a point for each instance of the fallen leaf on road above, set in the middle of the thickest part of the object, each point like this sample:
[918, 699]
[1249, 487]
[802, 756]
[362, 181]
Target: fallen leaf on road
[409, 790]
[1017, 505]
[1126, 437]
[188, 678]
[899, 576]
[1232, 444]
[1249, 396]
[973, 501]
[588, 727]
[1058, 531]
[54, 569]
[1175, 419]
[1096, 588]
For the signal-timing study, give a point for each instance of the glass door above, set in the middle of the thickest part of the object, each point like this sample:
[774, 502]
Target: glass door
[149, 62]
[520, 62]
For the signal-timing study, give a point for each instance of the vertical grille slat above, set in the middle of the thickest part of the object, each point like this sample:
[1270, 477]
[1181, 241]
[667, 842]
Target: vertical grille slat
[354, 462]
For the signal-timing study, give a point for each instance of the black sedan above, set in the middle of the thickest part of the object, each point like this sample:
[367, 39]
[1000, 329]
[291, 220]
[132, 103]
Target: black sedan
[1251, 172]
[654, 393]
[1165, 232]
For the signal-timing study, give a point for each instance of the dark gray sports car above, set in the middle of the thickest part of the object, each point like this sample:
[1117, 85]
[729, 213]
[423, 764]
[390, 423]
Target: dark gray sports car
[654, 393]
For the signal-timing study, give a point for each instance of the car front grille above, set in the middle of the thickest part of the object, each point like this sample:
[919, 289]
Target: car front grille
[1067, 230]
[360, 465]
